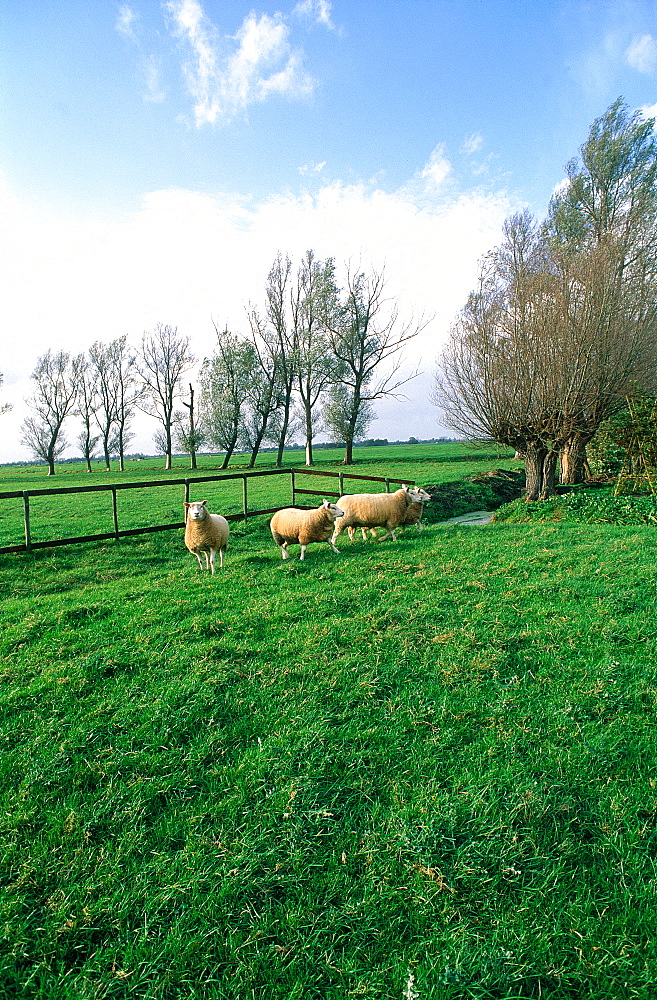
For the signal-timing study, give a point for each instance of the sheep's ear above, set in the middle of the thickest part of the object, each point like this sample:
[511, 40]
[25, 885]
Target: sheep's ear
[185, 504]
[325, 502]
[203, 503]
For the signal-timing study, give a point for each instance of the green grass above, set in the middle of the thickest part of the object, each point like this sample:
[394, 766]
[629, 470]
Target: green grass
[432, 757]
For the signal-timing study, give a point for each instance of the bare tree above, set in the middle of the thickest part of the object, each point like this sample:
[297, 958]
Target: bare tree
[224, 382]
[364, 335]
[56, 378]
[87, 404]
[189, 435]
[165, 357]
[115, 375]
[274, 330]
[545, 349]
[314, 306]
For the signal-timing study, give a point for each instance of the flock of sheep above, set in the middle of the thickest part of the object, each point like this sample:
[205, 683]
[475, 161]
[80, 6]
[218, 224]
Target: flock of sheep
[206, 533]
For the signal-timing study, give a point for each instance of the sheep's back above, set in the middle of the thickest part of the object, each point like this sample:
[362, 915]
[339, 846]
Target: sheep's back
[303, 526]
[372, 510]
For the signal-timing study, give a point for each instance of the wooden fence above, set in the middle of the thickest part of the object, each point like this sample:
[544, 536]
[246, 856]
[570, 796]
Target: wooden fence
[114, 488]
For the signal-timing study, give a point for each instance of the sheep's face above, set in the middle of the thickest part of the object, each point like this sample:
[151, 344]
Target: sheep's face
[333, 508]
[196, 511]
[416, 494]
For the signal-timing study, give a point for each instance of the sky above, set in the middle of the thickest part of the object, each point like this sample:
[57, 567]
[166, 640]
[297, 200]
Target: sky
[156, 156]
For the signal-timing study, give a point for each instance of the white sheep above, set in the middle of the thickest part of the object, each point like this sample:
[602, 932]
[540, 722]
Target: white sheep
[292, 525]
[414, 513]
[376, 510]
[206, 533]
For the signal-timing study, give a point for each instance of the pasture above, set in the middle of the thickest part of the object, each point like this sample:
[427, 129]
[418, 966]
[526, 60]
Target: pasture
[422, 769]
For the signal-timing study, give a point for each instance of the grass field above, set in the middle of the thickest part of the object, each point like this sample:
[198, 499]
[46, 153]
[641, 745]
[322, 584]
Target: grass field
[422, 769]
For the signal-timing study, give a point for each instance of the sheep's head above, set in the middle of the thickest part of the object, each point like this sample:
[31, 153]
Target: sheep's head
[415, 494]
[197, 511]
[332, 508]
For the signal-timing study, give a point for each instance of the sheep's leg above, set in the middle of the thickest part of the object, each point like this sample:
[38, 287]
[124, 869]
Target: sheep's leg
[303, 551]
[284, 552]
[221, 558]
[336, 550]
[363, 532]
[212, 552]
[391, 532]
[200, 561]
[420, 526]
[352, 532]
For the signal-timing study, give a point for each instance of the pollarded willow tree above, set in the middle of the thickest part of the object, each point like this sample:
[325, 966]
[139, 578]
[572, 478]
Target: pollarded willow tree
[562, 327]
[605, 219]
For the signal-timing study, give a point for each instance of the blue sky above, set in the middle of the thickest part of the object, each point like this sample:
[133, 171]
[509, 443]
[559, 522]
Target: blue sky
[154, 157]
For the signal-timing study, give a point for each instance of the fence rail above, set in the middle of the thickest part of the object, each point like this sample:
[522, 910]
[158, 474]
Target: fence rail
[29, 544]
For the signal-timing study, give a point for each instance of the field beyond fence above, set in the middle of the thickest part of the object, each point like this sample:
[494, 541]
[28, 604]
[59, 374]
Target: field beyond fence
[90, 504]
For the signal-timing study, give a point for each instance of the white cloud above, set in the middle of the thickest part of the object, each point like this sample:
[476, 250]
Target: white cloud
[126, 21]
[437, 169]
[318, 10]
[309, 169]
[649, 110]
[185, 257]
[263, 62]
[155, 91]
[472, 143]
[641, 55]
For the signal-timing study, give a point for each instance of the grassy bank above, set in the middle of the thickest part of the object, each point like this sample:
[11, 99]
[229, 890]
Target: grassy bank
[430, 759]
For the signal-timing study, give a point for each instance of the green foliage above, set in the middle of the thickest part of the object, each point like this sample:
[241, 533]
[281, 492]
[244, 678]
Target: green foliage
[584, 505]
[628, 439]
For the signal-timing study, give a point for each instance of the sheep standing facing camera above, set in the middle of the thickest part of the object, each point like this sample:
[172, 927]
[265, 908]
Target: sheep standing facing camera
[292, 525]
[206, 533]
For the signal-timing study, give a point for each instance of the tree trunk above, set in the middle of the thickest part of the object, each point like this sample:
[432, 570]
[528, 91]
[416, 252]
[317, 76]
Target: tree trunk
[574, 466]
[535, 456]
[89, 469]
[284, 427]
[348, 453]
[256, 446]
[549, 471]
[309, 436]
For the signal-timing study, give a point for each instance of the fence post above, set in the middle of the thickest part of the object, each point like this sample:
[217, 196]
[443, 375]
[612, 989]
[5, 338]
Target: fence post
[26, 516]
[186, 498]
[387, 486]
[244, 508]
[292, 481]
[341, 477]
[115, 514]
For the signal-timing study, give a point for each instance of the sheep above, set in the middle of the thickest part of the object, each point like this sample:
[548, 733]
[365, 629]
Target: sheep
[414, 513]
[375, 510]
[291, 525]
[415, 510]
[207, 533]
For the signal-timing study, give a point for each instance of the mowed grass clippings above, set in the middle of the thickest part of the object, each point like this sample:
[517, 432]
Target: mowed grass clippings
[430, 759]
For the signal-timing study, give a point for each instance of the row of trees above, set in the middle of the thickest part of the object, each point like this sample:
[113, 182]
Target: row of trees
[562, 328]
[316, 357]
